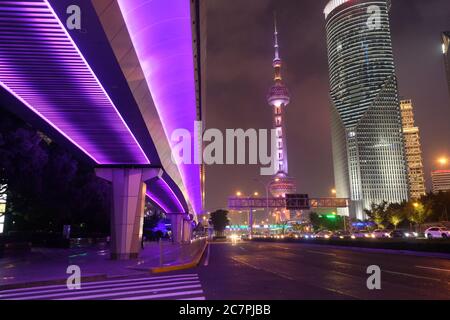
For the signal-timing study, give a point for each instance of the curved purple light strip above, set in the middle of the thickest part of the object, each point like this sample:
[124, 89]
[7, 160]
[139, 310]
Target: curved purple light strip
[97, 80]
[154, 199]
[161, 33]
[174, 196]
[38, 68]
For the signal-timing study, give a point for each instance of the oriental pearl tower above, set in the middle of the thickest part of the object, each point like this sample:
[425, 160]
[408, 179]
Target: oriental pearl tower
[278, 99]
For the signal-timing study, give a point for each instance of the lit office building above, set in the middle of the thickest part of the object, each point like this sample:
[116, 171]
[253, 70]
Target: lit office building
[413, 151]
[445, 51]
[440, 180]
[368, 147]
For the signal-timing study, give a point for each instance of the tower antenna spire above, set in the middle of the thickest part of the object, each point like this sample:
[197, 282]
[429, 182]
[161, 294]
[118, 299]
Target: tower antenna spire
[276, 46]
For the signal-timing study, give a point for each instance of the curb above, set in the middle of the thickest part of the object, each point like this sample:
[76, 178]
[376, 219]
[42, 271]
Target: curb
[182, 266]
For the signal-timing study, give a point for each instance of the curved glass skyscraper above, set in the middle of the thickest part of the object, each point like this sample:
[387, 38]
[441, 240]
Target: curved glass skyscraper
[368, 146]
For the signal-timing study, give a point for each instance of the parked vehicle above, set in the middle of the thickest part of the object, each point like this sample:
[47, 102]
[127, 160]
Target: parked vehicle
[437, 232]
[341, 235]
[324, 234]
[362, 234]
[403, 234]
[307, 235]
[380, 233]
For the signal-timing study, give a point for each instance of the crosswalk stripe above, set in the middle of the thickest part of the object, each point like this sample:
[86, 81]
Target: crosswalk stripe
[154, 295]
[166, 295]
[85, 284]
[196, 298]
[182, 286]
[81, 291]
[85, 287]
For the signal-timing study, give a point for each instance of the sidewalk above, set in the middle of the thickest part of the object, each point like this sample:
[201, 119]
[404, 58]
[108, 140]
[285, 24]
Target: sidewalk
[43, 265]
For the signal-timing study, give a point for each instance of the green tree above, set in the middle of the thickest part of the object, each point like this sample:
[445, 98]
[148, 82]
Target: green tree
[396, 213]
[418, 212]
[378, 213]
[322, 221]
[219, 220]
[47, 186]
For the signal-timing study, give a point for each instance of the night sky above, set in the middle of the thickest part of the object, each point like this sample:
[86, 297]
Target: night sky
[239, 62]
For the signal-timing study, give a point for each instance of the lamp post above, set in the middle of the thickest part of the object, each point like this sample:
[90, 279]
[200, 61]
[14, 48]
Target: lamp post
[250, 212]
[266, 187]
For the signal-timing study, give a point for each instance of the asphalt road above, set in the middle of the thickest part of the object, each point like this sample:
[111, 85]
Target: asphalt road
[270, 271]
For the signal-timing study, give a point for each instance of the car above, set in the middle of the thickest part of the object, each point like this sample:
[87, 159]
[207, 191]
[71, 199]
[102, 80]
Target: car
[437, 232]
[324, 234]
[380, 233]
[341, 235]
[307, 235]
[399, 233]
[362, 234]
[293, 235]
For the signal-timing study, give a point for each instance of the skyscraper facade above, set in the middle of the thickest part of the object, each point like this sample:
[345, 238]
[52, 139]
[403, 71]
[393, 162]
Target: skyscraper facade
[368, 146]
[278, 99]
[445, 51]
[440, 180]
[413, 151]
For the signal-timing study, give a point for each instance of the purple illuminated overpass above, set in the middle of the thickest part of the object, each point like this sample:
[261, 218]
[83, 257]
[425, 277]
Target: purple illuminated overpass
[69, 87]
[42, 67]
[161, 32]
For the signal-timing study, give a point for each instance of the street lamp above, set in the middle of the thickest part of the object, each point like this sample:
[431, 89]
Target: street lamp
[443, 161]
[256, 194]
[238, 193]
[266, 187]
[333, 191]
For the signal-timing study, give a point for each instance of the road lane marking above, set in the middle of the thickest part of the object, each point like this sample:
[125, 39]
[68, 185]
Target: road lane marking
[411, 275]
[324, 253]
[293, 279]
[343, 263]
[280, 247]
[262, 269]
[437, 269]
[207, 256]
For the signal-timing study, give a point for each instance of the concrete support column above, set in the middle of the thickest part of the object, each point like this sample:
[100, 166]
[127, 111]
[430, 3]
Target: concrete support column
[176, 220]
[187, 230]
[128, 203]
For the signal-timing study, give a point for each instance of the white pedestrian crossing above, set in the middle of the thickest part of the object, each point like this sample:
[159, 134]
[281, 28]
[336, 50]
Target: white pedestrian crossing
[181, 286]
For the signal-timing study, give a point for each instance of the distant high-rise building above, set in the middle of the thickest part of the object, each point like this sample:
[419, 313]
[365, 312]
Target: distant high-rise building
[440, 180]
[278, 99]
[368, 147]
[413, 151]
[445, 51]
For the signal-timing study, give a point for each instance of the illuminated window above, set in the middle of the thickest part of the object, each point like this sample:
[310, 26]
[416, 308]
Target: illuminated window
[279, 132]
